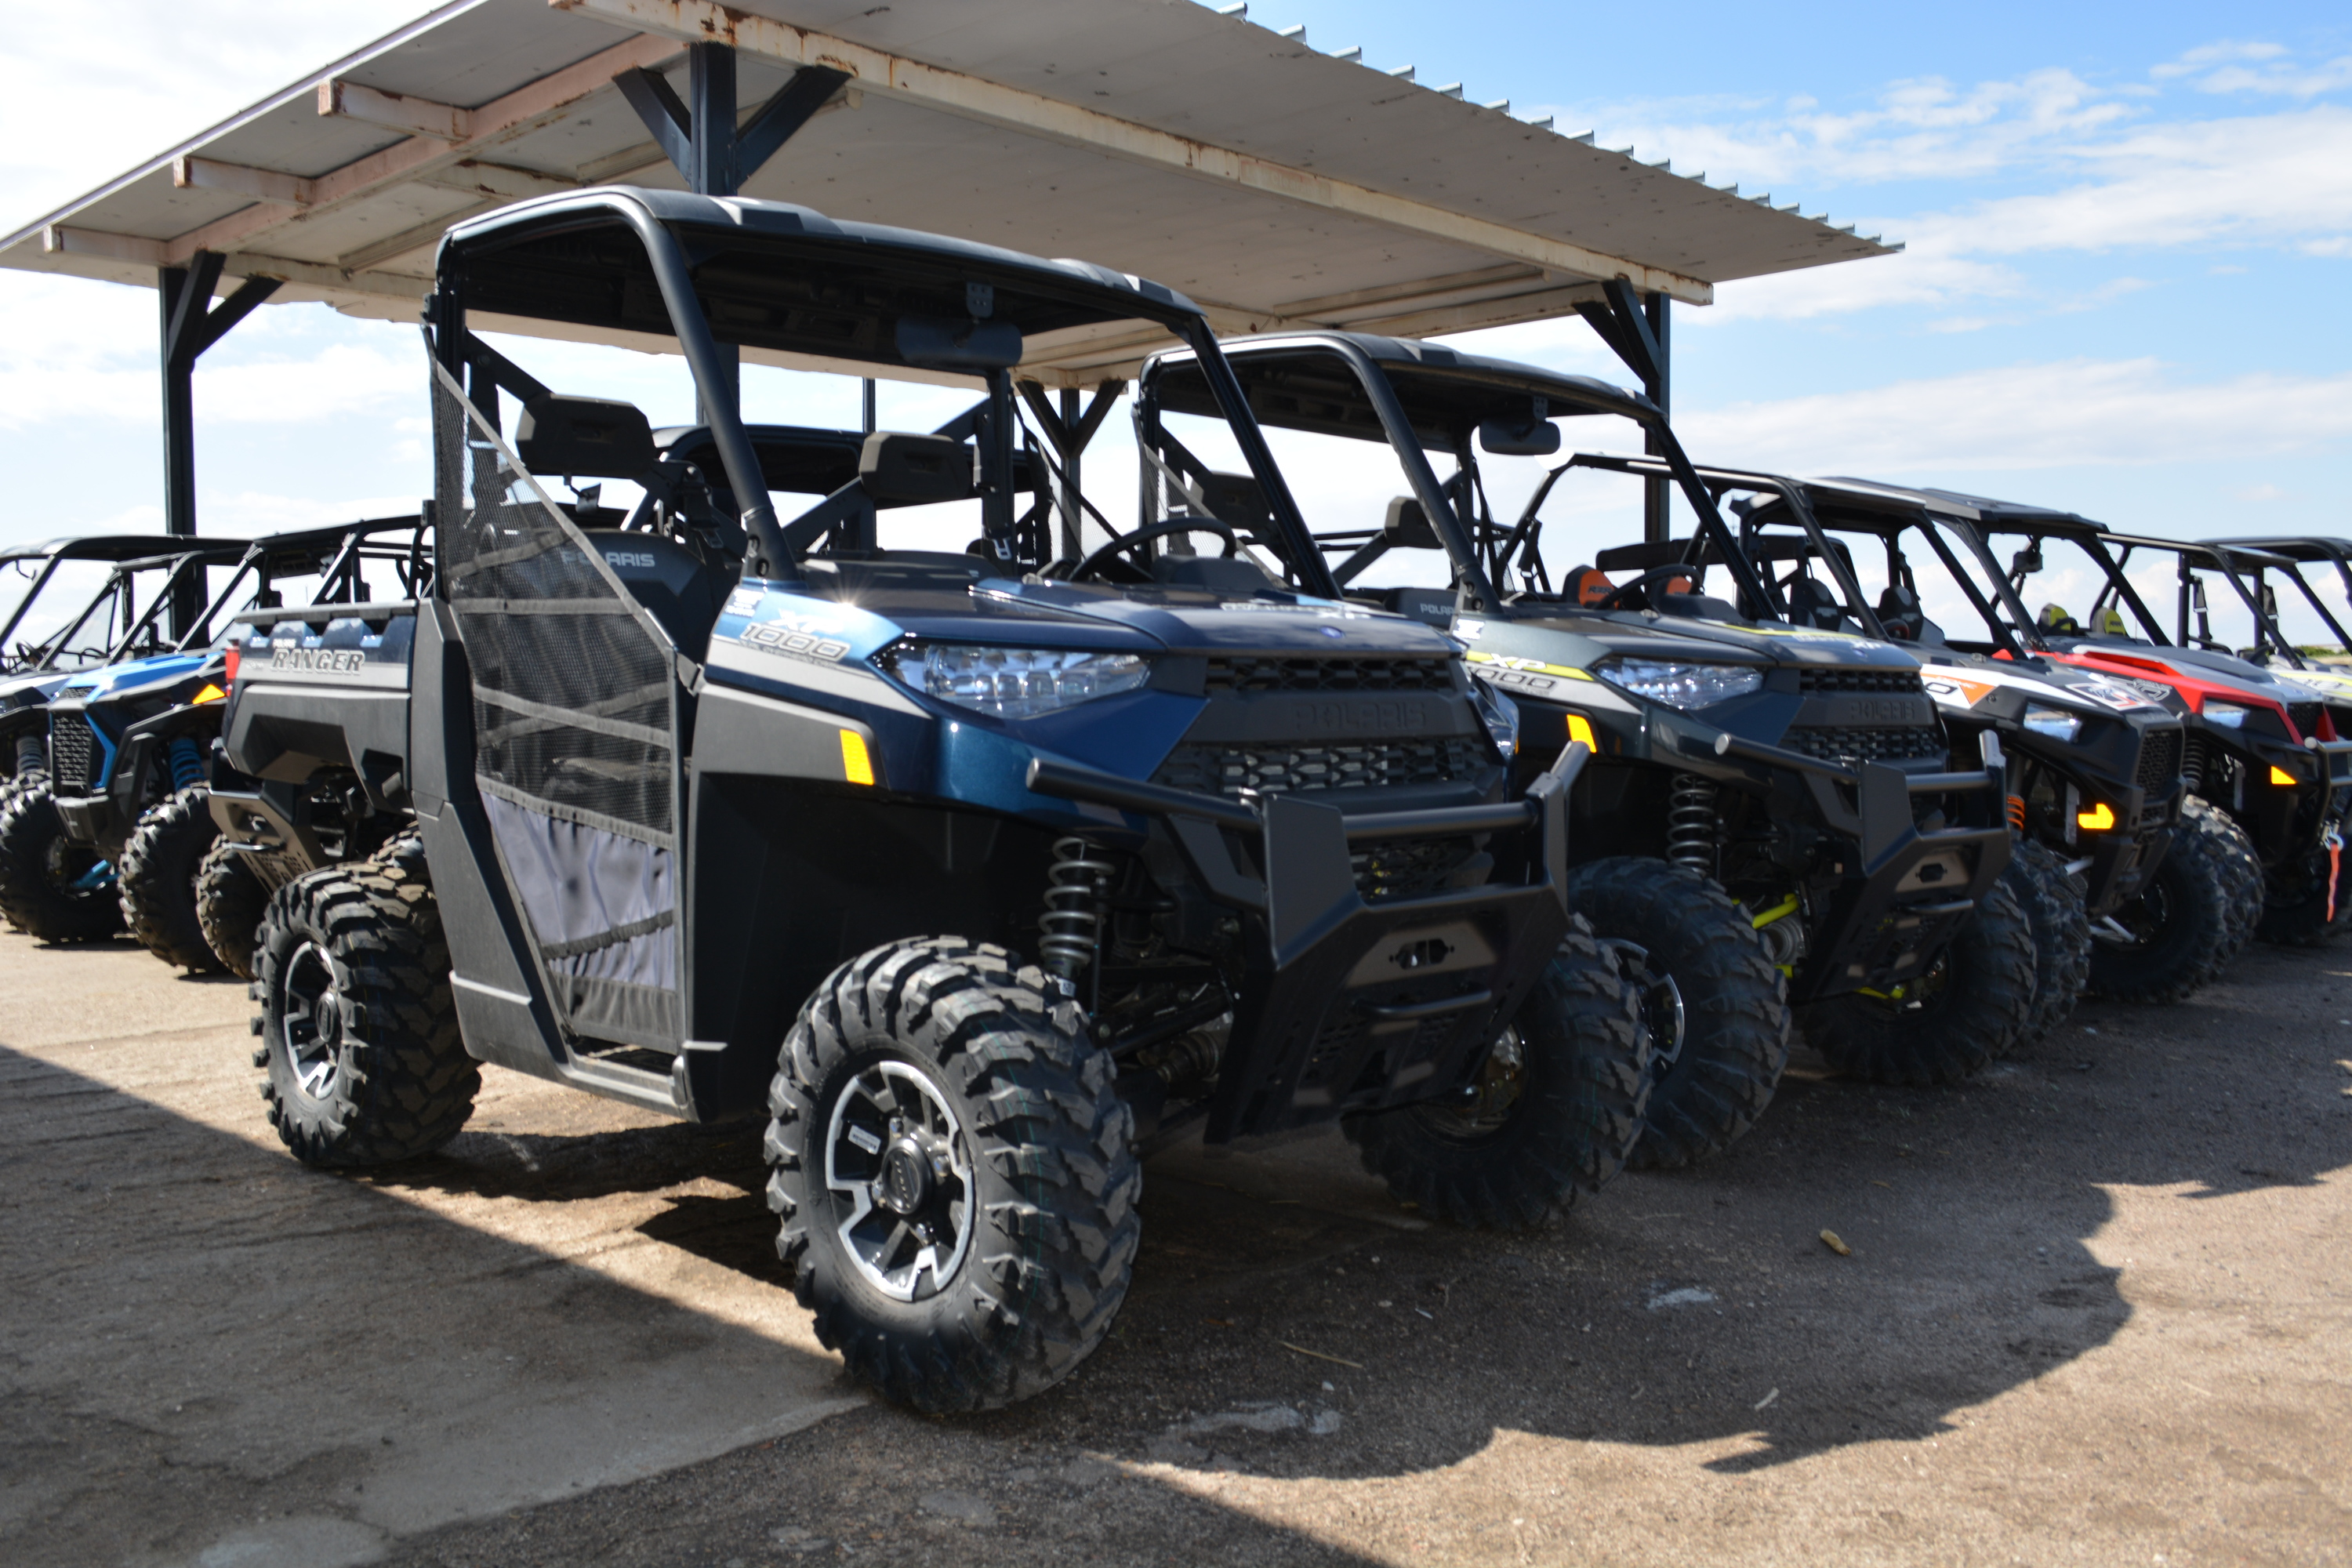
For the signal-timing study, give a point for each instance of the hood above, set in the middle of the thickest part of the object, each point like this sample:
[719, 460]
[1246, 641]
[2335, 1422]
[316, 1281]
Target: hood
[136, 676]
[19, 691]
[1999, 690]
[1585, 641]
[1014, 614]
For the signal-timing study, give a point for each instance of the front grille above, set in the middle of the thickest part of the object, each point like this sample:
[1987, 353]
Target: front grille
[73, 753]
[1853, 747]
[1416, 868]
[1905, 682]
[2160, 762]
[1230, 769]
[2307, 719]
[1434, 673]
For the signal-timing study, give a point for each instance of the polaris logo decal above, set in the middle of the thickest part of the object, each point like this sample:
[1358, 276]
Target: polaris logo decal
[322, 660]
[786, 643]
[1366, 718]
[640, 560]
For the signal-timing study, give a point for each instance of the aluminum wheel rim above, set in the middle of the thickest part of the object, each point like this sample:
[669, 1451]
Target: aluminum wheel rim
[313, 1021]
[1486, 1104]
[899, 1169]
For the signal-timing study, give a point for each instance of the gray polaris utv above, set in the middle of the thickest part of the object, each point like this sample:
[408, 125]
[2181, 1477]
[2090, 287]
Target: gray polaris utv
[720, 815]
[1766, 799]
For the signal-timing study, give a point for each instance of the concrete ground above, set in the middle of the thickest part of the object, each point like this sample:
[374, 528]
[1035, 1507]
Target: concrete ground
[2097, 1311]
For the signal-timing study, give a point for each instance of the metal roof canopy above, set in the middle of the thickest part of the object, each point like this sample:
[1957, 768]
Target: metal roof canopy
[1279, 187]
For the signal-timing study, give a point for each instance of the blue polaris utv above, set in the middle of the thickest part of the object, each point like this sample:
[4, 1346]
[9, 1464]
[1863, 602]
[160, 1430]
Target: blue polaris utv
[129, 746]
[975, 870]
[54, 884]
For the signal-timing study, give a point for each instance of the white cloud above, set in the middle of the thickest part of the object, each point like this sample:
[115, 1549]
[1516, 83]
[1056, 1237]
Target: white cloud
[1923, 128]
[2232, 67]
[2250, 179]
[2076, 413]
[80, 102]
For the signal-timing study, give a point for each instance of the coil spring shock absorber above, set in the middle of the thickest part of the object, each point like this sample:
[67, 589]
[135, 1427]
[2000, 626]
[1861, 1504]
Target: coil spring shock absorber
[32, 754]
[187, 763]
[2017, 813]
[1691, 824]
[1072, 923]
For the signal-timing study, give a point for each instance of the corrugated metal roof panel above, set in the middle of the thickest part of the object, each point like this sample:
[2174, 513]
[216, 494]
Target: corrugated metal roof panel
[1242, 213]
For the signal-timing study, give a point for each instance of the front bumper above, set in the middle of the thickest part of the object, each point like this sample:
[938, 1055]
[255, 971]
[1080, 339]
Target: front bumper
[1904, 891]
[1345, 1005]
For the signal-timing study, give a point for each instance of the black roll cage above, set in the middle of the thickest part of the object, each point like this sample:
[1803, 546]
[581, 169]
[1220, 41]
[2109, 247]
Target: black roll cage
[770, 553]
[1885, 517]
[1448, 504]
[2296, 552]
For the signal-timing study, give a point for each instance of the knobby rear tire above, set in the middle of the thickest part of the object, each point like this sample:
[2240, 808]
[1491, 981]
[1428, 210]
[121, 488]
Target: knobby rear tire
[394, 1081]
[230, 902]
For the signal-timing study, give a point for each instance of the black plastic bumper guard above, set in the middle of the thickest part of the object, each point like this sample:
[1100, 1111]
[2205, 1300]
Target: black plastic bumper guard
[1349, 1005]
[1913, 888]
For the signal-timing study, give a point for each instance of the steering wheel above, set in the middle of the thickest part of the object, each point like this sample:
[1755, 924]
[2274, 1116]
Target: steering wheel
[1127, 541]
[1622, 597]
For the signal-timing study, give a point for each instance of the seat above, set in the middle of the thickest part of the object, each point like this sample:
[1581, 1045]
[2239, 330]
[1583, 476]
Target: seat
[1811, 604]
[678, 591]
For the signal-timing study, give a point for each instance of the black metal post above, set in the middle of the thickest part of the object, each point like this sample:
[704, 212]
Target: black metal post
[868, 401]
[189, 325]
[1071, 453]
[711, 166]
[1657, 494]
[701, 139]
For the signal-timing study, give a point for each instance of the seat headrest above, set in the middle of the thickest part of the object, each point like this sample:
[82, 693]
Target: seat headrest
[1217, 573]
[1237, 500]
[912, 470]
[1586, 585]
[1407, 526]
[583, 438]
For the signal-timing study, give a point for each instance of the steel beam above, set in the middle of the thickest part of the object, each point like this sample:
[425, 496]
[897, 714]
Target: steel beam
[1639, 331]
[441, 136]
[972, 98]
[190, 323]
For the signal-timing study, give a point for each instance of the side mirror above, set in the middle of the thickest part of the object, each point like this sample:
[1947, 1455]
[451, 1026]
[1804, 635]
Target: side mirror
[1507, 438]
[937, 342]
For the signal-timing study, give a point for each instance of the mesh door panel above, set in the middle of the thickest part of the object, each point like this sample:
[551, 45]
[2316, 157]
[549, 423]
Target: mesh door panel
[574, 700]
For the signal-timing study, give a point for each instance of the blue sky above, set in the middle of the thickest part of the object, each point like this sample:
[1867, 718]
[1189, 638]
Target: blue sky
[2129, 231]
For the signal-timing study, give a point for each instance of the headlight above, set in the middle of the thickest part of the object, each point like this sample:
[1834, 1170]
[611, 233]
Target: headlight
[2054, 723]
[1679, 685]
[2229, 715]
[1015, 682]
[1502, 716]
